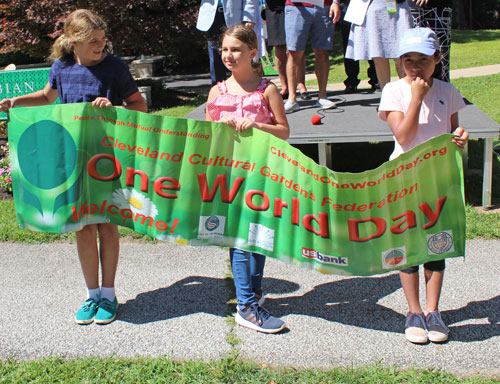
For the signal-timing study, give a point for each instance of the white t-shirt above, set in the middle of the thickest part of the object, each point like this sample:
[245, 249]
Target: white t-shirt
[442, 101]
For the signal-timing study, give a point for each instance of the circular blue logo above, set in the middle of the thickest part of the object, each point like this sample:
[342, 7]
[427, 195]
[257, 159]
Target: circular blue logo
[212, 223]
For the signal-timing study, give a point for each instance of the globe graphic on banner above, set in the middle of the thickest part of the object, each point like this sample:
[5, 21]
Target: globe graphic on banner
[46, 154]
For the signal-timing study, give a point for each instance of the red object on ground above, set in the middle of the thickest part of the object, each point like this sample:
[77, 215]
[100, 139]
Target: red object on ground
[316, 119]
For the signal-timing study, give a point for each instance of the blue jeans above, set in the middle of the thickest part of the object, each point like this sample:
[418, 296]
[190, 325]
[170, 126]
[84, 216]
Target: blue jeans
[248, 270]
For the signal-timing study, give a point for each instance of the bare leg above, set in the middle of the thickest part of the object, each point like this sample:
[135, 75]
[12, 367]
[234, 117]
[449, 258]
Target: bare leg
[409, 282]
[433, 284]
[109, 252]
[294, 60]
[280, 54]
[321, 68]
[383, 70]
[86, 244]
[301, 75]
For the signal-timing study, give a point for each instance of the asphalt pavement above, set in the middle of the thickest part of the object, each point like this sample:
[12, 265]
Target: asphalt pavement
[173, 303]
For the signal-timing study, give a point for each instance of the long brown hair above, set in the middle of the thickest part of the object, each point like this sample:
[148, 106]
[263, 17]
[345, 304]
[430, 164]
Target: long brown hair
[78, 27]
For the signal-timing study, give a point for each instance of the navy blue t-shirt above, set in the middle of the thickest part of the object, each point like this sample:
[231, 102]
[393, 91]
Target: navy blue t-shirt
[77, 83]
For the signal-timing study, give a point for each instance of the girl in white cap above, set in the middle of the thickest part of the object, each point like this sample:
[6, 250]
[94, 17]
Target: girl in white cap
[417, 108]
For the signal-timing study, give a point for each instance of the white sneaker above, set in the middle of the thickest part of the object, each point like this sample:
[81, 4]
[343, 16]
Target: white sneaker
[324, 103]
[290, 106]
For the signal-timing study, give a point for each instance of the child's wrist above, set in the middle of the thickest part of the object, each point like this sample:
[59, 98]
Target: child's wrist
[416, 99]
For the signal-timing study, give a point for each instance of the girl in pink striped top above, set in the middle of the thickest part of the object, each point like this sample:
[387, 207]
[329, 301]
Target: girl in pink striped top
[247, 100]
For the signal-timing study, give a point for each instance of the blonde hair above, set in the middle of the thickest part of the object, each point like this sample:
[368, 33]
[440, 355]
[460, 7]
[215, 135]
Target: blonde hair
[246, 35]
[78, 27]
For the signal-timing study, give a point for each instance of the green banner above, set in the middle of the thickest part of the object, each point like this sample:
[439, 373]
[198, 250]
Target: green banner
[201, 183]
[22, 82]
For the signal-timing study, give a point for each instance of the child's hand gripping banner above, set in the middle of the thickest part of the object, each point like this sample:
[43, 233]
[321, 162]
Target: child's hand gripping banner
[201, 183]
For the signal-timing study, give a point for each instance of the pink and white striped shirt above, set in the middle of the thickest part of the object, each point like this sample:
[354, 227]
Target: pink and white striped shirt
[253, 105]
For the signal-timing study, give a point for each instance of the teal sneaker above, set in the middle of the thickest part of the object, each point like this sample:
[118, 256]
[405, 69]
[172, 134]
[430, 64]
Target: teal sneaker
[86, 313]
[106, 312]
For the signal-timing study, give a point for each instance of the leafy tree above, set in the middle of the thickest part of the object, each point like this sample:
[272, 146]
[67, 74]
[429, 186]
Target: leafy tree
[134, 26]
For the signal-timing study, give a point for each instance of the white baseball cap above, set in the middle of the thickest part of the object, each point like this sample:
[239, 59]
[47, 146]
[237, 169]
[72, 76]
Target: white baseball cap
[421, 40]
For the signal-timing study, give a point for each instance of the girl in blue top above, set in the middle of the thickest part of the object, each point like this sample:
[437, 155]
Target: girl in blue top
[84, 72]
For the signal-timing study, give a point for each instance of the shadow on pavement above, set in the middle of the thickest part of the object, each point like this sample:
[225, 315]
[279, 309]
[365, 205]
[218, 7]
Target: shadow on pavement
[351, 301]
[193, 294]
[484, 309]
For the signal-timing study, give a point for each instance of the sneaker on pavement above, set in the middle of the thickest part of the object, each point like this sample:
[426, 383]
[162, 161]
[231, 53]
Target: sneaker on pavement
[106, 312]
[259, 297]
[324, 103]
[86, 313]
[258, 319]
[290, 106]
[438, 332]
[416, 331]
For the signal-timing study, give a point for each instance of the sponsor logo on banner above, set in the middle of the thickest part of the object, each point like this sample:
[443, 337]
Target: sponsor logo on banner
[393, 257]
[327, 259]
[261, 236]
[441, 242]
[211, 227]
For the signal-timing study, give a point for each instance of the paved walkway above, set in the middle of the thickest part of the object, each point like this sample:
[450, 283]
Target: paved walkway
[173, 303]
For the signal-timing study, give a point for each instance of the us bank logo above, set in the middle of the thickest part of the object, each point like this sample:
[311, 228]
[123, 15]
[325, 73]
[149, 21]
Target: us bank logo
[326, 259]
[47, 177]
[393, 257]
[211, 227]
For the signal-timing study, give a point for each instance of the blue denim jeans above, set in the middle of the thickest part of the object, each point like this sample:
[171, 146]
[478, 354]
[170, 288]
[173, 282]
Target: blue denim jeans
[248, 270]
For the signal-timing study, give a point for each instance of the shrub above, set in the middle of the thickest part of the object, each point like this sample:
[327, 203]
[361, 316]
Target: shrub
[5, 173]
[134, 26]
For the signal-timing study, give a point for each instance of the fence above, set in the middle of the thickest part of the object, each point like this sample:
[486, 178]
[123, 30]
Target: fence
[441, 24]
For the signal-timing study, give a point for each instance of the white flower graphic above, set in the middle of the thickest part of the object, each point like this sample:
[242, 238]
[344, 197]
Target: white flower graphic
[135, 201]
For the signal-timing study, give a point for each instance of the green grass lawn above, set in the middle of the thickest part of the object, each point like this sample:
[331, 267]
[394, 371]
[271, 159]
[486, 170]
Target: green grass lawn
[474, 48]
[227, 370]
[483, 92]
[184, 109]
